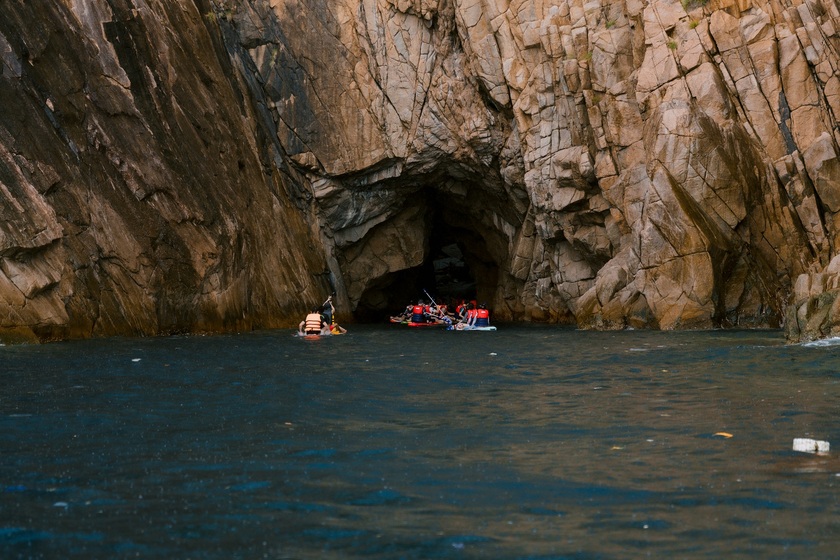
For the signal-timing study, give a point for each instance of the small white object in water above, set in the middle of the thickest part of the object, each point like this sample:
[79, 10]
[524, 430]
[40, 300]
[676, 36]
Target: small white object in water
[136, 359]
[61, 504]
[493, 354]
[808, 445]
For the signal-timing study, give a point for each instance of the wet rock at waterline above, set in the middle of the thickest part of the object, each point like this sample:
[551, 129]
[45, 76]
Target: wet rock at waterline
[220, 165]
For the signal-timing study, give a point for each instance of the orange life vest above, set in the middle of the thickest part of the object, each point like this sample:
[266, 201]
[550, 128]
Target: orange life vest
[313, 322]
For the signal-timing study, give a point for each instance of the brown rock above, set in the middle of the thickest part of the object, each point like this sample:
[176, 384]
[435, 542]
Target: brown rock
[165, 167]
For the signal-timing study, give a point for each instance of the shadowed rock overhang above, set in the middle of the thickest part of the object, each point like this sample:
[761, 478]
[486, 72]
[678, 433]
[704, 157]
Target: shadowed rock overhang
[386, 238]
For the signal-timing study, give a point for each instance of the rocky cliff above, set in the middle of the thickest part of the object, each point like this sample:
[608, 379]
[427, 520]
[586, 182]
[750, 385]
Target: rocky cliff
[174, 166]
[143, 189]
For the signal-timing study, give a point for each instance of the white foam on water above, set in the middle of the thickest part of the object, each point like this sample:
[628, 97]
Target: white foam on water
[833, 341]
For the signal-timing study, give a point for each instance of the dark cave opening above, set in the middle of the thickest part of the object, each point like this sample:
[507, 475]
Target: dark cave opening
[457, 266]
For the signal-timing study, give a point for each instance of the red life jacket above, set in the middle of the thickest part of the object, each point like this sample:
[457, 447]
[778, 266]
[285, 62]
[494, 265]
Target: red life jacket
[417, 310]
[482, 313]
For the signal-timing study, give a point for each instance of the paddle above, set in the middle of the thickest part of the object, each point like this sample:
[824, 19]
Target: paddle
[435, 304]
[324, 307]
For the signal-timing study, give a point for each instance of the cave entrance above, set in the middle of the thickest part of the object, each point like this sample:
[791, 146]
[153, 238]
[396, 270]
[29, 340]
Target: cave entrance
[460, 263]
[457, 265]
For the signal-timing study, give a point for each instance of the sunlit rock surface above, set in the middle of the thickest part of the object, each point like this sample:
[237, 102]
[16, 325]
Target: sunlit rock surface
[223, 165]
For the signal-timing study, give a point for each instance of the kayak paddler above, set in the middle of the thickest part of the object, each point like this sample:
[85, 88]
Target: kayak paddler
[314, 323]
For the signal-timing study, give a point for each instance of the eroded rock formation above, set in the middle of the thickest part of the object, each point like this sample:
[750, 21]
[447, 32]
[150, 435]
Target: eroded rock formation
[221, 165]
[141, 193]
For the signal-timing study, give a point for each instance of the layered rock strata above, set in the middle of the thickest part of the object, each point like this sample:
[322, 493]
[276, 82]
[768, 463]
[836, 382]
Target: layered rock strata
[212, 165]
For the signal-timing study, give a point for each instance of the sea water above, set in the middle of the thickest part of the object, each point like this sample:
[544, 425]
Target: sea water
[391, 442]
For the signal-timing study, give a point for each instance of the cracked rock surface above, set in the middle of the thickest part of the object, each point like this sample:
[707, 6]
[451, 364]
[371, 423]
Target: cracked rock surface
[221, 165]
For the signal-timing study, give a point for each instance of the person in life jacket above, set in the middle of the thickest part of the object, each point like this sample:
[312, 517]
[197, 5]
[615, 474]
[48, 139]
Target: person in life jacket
[314, 323]
[437, 314]
[460, 309]
[469, 316]
[404, 316]
[482, 317]
[418, 312]
[328, 312]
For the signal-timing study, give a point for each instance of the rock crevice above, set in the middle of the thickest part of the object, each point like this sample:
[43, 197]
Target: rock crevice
[224, 165]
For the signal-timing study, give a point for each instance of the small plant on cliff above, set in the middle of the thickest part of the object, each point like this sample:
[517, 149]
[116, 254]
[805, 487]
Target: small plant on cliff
[611, 24]
[672, 45]
[693, 23]
[211, 17]
[689, 5]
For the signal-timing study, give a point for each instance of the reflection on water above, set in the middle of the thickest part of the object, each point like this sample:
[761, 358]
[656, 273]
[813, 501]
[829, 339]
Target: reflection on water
[388, 443]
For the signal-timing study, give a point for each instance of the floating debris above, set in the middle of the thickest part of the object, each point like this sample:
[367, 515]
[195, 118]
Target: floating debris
[726, 435]
[808, 445]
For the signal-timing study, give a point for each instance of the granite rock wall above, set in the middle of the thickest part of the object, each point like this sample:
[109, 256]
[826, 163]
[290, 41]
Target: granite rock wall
[222, 165]
[141, 190]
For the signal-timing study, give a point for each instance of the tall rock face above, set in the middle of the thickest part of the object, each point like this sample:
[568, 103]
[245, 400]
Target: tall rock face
[212, 165]
[142, 192]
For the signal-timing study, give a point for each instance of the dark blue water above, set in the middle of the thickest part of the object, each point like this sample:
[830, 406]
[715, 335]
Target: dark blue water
[528, 442]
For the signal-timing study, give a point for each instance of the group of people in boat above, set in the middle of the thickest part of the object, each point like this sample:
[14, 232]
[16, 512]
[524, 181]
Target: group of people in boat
[321, 320]
[471, 314]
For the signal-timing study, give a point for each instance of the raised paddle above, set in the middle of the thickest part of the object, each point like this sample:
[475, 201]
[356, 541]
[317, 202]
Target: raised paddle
[435, 304]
